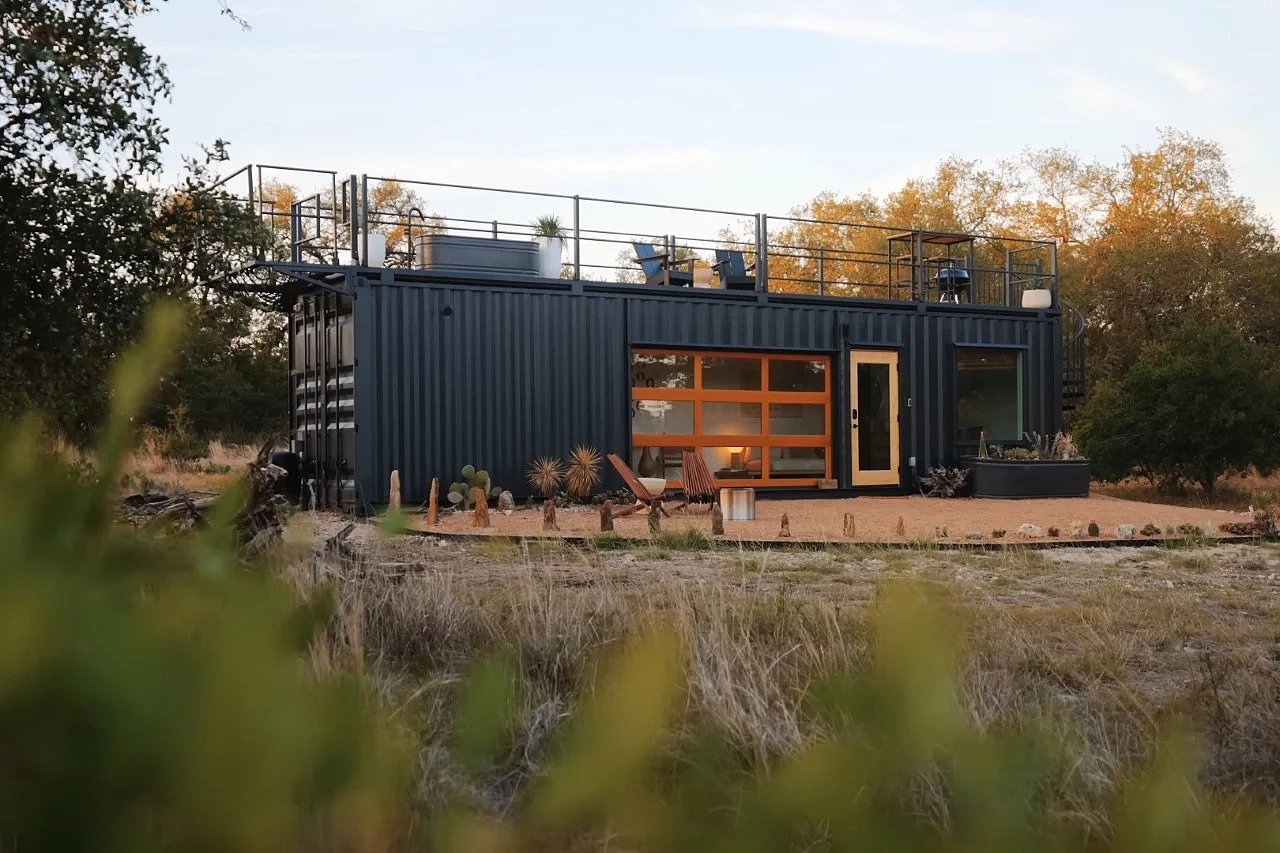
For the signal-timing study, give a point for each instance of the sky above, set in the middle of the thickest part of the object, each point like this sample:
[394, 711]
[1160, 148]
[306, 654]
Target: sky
[740, 105]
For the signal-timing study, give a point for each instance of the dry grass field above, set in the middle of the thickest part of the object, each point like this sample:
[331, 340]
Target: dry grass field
[1101, 648]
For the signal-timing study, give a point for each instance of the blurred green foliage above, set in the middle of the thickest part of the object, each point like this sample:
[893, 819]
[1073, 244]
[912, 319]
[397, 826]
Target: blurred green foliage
[153, 690]
[156, 693]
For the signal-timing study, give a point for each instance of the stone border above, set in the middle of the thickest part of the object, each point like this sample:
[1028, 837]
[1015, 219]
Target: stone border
[809, 545]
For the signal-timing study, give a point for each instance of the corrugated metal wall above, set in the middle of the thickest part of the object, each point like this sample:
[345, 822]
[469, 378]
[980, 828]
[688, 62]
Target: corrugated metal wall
[450, 374]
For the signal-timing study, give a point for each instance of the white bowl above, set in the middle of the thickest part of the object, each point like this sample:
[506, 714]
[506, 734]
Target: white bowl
[655, 485]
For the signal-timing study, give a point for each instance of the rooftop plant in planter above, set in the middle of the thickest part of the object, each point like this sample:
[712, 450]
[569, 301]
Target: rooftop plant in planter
[550, 234]
[1043, 467]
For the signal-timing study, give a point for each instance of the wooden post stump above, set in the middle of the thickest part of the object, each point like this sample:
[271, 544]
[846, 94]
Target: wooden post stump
[902, 527]
[433, 503]
[549, 515]
[850, 526]
[606, 517]
[655, 517]
[393, 506]
[717, 520]
[785, 532]
[481, 518]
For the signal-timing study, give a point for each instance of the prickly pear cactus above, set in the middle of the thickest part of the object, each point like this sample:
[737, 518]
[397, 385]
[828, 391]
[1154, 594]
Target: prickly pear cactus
[462, 494]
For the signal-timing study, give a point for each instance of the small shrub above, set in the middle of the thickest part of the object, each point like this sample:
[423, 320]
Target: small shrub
[584, 471]
[545, 475]
[687, 539]
[610, 542]
[944, 482]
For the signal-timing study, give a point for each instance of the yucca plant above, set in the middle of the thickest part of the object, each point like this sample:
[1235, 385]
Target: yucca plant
[584, 470]
[546, 474]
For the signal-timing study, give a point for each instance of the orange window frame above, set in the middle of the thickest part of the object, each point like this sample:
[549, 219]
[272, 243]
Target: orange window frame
[764, 397]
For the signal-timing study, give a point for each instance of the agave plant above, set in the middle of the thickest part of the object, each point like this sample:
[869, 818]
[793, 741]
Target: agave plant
[584, 470]
[546, 474]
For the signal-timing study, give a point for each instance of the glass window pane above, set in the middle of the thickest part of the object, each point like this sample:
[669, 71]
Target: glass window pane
[734, 463]
[797, 419]
[730, 418]
[797, 463]
[658, 462]
[661, 417]
[988, 394]
[875, 420]
[731, 374]
[661, 371]
[788, 374]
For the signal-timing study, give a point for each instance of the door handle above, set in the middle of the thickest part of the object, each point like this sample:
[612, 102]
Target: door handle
[853, 417]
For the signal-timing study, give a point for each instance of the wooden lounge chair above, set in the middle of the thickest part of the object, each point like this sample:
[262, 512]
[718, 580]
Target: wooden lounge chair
[699, 487]
[643, 495]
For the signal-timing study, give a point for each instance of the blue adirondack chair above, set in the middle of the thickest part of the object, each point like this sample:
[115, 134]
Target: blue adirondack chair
[657, 267]
[731, 266]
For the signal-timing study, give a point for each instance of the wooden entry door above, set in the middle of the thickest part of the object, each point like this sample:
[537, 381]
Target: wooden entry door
[873, 395]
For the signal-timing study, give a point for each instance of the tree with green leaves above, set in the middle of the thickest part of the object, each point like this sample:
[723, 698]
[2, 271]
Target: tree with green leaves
[1196, 405]
[77, 133]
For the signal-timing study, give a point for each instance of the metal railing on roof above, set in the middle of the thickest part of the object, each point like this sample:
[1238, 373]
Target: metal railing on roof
[332, 224]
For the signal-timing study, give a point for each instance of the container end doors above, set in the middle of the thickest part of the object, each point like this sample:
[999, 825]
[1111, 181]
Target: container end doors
[873, 394]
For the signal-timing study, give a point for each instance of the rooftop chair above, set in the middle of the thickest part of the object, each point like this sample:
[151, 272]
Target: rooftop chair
[731, 266]
[657, 267]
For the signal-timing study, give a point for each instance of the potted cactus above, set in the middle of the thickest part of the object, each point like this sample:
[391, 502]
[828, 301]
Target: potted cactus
[550, 234]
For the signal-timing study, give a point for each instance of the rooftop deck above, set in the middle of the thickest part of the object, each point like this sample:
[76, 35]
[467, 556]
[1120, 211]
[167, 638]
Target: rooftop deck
[324, 217]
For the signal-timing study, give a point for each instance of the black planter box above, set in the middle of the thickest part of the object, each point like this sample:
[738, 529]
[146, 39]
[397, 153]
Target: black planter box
[1014, 478]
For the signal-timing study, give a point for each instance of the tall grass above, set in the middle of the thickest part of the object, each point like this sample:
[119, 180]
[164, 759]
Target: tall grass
[750, 665]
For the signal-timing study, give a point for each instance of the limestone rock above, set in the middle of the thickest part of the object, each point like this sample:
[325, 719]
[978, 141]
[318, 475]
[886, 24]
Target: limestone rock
[1126, 531]
[506, 502]
[1150, 530]
[1030, 531]
[974, 536]
[1077, 529]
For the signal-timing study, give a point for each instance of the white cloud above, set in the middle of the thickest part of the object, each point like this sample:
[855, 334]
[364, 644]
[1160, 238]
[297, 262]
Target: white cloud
[1194, 80]
[900, 26]
[1098, 98]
